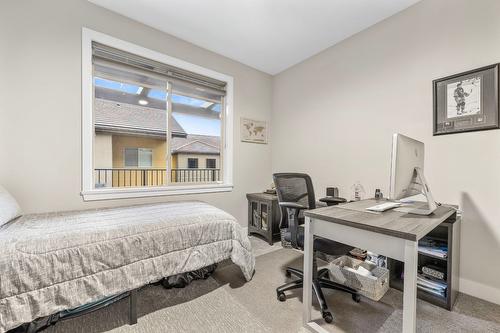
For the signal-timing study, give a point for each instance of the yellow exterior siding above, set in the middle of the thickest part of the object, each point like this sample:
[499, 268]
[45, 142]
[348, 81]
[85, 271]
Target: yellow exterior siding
[110, 155]
[158, 146]
[139, 178]
[174, 161]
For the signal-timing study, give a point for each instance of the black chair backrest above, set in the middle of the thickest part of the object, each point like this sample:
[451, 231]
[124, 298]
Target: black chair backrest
[294, 187]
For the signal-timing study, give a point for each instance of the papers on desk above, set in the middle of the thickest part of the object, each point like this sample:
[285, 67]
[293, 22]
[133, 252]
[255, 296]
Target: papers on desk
[434, 287]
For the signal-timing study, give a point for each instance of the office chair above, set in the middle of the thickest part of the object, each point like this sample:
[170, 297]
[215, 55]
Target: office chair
[296, 194]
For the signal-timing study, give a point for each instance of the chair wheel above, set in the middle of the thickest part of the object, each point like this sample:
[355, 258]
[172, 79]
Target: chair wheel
[356, 298]
[281, 297]
[327, 316]
[288, 274]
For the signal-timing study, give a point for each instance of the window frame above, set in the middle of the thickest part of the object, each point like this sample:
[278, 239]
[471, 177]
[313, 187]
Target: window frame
[195, 160]
[89, 192]
[211, 159]
[139, 150]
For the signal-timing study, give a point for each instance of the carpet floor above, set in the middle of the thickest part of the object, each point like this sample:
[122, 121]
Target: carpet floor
[225, 303]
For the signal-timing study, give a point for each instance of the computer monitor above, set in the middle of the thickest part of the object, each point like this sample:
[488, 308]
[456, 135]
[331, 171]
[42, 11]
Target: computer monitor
[407, 174]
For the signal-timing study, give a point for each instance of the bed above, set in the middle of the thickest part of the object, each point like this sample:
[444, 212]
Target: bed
[58, 261]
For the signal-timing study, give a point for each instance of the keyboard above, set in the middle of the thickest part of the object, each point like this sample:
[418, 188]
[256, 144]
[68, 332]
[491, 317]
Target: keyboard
[383, 207]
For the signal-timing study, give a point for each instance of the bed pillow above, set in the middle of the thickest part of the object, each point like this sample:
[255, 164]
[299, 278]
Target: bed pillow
[9, 209]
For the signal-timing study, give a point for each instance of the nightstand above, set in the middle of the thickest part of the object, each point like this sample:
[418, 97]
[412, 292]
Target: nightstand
[263, 215]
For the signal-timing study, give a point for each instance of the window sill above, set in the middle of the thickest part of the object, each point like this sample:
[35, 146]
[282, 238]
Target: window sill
[140, 192]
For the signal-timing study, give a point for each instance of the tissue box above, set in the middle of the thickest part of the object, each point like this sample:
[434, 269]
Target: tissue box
[343, 270]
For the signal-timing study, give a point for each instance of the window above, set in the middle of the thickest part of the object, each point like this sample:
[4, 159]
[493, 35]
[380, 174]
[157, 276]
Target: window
[138, 157]
[192, 163]
[119, 86]
[211, 163]
[134, 97]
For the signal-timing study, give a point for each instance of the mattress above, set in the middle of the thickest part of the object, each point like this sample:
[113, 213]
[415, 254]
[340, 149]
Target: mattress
[57, 261]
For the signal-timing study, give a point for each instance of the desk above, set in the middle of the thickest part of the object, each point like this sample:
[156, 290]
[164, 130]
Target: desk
[391, 233]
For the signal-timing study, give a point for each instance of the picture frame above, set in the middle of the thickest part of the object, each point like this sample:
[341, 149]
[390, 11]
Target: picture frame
[467, 101]
[253, 131]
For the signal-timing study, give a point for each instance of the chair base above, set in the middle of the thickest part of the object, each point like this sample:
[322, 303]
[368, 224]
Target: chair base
[319, 283]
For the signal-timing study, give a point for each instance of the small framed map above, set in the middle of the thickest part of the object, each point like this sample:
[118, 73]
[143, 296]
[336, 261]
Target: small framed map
[254, 131]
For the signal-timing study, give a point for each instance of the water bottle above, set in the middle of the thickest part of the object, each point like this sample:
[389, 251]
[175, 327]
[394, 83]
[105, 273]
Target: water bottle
[358, 191]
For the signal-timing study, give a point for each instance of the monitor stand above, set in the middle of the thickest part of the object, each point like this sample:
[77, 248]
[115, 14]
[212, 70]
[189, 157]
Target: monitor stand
[425, 209]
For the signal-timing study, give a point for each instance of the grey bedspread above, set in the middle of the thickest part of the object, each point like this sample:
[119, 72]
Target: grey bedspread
[57, 261]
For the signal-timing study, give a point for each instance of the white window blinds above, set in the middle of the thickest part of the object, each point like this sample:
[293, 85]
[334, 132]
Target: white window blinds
[107, 59]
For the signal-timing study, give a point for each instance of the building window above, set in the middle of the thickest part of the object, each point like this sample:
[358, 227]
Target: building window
[140, 98]
[211, 163]
[192, 163]
[138, 158]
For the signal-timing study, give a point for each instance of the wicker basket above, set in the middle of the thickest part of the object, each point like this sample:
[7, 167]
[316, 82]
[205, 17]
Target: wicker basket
[373, 287]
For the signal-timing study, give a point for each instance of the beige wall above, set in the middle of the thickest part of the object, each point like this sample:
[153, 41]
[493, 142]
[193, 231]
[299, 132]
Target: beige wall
[103, 151]
[333, 116]
[40, 71]
[182, 160]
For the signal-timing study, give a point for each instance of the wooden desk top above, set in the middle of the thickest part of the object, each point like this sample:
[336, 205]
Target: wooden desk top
[392, 223]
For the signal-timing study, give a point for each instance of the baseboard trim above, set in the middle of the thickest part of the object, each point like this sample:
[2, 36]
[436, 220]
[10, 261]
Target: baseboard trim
[480, 290]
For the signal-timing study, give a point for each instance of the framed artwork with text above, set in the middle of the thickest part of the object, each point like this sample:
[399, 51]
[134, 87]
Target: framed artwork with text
[466, 101]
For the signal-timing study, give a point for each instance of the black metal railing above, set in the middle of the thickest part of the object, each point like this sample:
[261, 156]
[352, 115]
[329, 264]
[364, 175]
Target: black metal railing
[135, 177]
[194, 175]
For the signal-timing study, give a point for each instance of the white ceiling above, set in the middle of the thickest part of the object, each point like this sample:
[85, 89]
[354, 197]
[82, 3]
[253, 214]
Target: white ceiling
[269, 35]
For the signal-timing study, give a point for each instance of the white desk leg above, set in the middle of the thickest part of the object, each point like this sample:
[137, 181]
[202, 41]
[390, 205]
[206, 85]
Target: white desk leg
[410, 288]
[308, 266]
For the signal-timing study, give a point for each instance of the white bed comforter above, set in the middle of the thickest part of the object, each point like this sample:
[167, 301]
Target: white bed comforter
[51, 262]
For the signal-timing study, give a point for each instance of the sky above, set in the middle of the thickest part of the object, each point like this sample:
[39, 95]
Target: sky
[198, 125]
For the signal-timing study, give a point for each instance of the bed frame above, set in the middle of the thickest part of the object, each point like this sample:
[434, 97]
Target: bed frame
[176, 281]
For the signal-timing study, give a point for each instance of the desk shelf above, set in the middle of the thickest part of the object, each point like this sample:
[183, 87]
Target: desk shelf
[422, 294]
[449, 231]
[432, 256]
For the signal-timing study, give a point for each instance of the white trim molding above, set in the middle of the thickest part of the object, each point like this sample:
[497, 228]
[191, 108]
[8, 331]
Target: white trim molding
[90, 193]
[480, 290]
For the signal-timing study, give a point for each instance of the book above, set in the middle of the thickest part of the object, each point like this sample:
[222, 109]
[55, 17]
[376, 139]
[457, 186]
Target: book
[434, 251]
[432, 291]
[434, 287]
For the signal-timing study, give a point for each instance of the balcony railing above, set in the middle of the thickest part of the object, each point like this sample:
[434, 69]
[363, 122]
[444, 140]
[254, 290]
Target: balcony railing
[135, 177]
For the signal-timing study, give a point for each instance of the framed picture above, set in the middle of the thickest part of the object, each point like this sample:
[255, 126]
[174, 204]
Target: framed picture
[254, 131]
[467, 101]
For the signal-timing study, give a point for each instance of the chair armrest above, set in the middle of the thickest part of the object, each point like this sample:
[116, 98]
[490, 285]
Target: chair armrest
[293, 205]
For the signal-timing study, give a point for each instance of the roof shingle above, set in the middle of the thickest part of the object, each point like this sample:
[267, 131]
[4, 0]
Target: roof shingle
[196, 144]
[109, 114]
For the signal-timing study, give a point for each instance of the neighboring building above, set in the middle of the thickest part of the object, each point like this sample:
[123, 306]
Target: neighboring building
[131, 145]
[203, 148]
